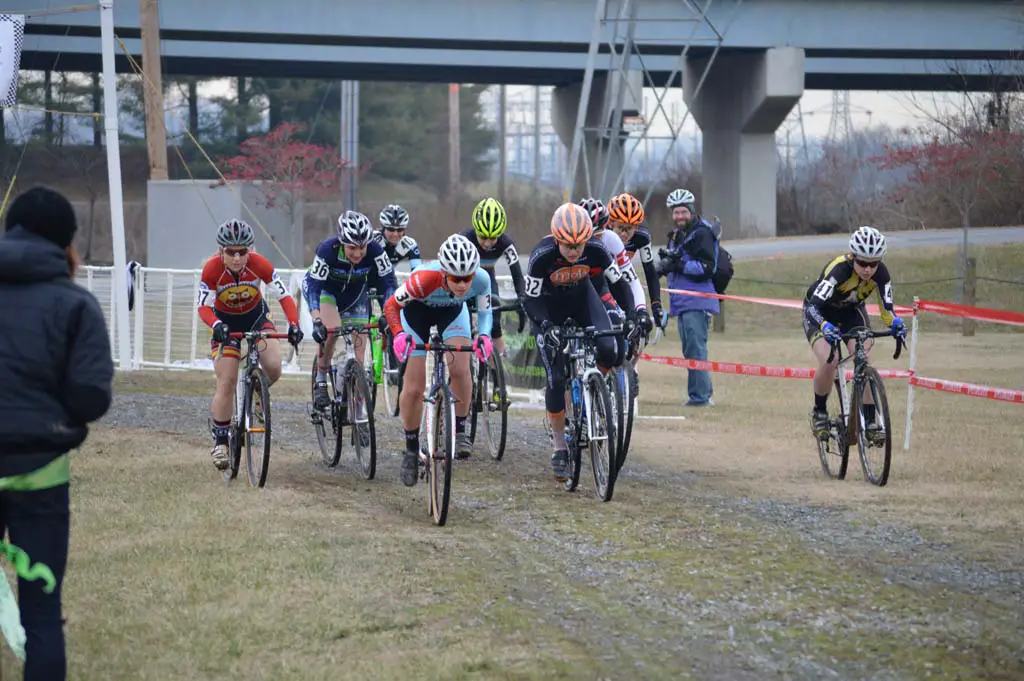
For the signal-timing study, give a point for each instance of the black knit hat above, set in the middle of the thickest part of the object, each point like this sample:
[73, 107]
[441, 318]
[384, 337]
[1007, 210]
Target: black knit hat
[44, 212]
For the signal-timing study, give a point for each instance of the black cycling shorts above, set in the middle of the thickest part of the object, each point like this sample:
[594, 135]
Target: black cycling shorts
[846, 319]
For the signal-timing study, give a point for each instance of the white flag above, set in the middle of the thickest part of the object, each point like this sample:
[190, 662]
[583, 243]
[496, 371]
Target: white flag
[12, 35]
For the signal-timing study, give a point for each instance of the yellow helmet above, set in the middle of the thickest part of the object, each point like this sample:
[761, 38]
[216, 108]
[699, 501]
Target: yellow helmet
[489, 219]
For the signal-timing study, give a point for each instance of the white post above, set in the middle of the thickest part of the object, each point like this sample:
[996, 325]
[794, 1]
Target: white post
[195, 321]
[169, 317]
[139, 317]
[914, 323]
[113, 143]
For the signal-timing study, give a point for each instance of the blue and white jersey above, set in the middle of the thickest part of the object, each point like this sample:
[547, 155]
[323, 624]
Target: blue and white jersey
[345, 280]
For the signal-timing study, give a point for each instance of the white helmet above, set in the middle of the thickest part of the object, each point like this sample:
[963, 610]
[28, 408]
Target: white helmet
[458, 256]
[354, 229]
[868, 243]
[680, 197]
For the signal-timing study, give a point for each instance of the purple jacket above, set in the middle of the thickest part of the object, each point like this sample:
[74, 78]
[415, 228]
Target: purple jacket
[692, 271]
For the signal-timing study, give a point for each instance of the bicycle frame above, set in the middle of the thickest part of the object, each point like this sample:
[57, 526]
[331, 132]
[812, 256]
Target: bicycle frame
[581, 364]
[252, 359]
[859, 359]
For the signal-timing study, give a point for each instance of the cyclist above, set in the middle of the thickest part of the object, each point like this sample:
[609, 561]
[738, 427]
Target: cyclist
[834, 305]
[598, 213]
[436, 295]
[394, 220]
[335, 287]
[489, 237]
[229, 300]
[626, 217]
[558, 286]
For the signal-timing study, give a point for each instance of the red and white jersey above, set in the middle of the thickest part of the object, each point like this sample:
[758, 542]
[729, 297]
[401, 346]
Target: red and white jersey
[614, 244]
[237, 293]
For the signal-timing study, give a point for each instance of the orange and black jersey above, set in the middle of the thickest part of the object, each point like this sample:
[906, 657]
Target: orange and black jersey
[550, 277]
[838, 288]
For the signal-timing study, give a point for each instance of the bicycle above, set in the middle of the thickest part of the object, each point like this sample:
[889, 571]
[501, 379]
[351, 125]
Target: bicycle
[387, 370]
[624, 387]
[492, 401]
[850, 422]
[439, 425]
[351, 407]
[588, 408]
[251, 417]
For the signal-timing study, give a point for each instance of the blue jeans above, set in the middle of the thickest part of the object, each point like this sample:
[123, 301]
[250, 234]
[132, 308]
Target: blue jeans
[38, 523]
[693, 330]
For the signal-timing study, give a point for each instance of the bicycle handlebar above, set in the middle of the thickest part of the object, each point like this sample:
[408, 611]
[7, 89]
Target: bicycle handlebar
[862, 334]
[443, 347]
[248, 335]
[350, 328]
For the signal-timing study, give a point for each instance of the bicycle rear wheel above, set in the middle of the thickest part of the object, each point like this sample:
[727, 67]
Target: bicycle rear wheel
[632, 384]
[391, 377]
[603, 441]
[494, 403]
[325, 421]
[876, 472]
[442, 451]
[477, 376]
[613, 382]
[574, 426]
[257, 427]
[834, 449]
[359, 410]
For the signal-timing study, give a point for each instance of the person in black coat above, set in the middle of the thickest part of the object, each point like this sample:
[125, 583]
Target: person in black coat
[56, 375]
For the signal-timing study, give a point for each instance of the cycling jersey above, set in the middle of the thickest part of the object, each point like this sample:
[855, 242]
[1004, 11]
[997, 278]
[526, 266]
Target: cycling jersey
[504, 247]
[640, 243]
[614, 244]
[224, 294]
[549, 277]
[405, 249]
[426, 286]
[838, 288]
[346, 281]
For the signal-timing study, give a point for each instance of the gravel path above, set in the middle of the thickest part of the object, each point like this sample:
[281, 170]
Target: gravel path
[740, 637]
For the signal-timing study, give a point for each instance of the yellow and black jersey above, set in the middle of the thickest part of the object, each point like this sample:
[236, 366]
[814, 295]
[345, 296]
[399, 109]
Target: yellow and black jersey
[838, 288]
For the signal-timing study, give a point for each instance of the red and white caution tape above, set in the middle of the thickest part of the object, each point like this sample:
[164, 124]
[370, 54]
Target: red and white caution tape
[756, 369]
[1002, 394]
[983, 314]
[777, 302]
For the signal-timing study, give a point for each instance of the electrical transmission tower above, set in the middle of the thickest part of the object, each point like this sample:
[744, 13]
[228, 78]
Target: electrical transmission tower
[604, 144]
[840, 125]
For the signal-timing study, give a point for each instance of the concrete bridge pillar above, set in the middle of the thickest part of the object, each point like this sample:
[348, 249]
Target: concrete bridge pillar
[603, 153]
[744, 99]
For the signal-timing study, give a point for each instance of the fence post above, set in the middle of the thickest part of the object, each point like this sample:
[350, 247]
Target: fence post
[970, 293]
[914, 330]
[719, 324]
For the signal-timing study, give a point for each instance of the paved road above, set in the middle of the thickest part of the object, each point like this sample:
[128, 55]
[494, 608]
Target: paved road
[837, 243]
[766, 248]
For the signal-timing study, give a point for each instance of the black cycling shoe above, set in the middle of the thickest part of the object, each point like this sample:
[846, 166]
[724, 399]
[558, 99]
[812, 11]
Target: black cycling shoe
[321, 399]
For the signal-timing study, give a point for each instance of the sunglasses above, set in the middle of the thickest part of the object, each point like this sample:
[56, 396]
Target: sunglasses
[399, 230]
[239, 252]
[572, 247]
[866, 264]
[461, 280]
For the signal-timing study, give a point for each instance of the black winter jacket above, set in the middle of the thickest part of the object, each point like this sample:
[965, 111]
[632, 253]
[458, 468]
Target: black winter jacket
[56, 370]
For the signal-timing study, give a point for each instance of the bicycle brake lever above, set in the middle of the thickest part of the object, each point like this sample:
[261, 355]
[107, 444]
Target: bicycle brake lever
[899, 348]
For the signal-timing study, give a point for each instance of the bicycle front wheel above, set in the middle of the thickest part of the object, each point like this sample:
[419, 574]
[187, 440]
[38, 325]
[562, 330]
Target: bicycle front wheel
[602, 440]
[874, 441]
[632, 385]
[325, 422]
[613, 380]
[257, 427]
[359, 408]
[442, 451]
[494, 403]
[477, 383]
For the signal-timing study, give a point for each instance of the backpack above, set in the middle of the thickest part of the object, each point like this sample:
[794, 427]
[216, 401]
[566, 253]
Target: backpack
[723, 260]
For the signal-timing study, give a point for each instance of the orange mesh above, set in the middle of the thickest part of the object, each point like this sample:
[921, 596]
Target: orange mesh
[571, 225]
[626, 208]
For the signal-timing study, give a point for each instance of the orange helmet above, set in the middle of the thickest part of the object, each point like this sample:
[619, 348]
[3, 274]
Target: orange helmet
[626, 208]
[570, 225]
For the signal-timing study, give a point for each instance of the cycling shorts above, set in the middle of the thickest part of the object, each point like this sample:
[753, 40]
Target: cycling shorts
[452, 321]
[846, 319]
[354, 309]
[257, 318]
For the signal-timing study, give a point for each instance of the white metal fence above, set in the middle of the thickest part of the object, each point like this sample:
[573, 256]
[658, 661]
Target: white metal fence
[166, 332]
